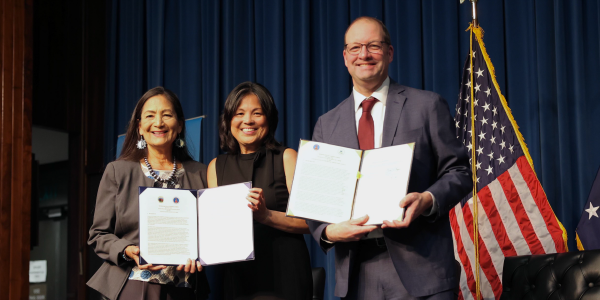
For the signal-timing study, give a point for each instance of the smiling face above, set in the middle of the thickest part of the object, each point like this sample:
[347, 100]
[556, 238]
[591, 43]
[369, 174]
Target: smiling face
[158, 124]
[368, 70]
[249, 124]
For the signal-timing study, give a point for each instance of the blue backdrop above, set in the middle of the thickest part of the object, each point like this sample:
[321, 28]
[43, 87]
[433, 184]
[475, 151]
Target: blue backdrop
[546, 55]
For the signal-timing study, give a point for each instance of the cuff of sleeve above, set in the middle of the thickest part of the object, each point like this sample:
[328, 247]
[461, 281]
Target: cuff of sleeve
[116, 251]
[434, 208]
[124, 254]
[325, 243]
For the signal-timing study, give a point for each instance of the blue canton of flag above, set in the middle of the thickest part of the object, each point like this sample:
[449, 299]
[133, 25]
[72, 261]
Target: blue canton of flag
[513, 215]
[588, 229]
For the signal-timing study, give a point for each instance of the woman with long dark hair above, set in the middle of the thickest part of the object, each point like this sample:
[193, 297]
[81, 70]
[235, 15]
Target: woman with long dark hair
[281, 269]
[154, 155]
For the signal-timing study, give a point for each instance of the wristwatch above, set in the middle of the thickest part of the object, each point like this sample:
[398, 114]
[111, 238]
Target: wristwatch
[324, 239]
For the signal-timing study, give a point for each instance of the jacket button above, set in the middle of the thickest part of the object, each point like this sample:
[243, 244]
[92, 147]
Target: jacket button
[590, 284]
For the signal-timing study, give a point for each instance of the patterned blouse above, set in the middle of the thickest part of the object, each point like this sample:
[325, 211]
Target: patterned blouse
[168, 275]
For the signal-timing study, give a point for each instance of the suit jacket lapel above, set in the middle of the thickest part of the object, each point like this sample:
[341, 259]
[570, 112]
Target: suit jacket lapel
[394, 105]
[344, 133]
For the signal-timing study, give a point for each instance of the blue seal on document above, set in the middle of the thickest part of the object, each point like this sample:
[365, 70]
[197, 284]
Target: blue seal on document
[176, 200]
[316, 147]
[161, 199]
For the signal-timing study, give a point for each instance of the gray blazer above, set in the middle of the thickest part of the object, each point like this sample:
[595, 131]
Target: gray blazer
[116, 219]
[423, 253]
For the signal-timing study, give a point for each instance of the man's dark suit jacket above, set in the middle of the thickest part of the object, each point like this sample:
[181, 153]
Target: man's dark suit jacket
[423, 254]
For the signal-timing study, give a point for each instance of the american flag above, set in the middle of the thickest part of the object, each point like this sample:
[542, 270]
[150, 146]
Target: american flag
[513, 214]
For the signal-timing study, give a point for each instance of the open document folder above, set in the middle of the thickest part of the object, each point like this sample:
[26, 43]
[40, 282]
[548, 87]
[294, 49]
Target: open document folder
[212, 225]
[334, 184]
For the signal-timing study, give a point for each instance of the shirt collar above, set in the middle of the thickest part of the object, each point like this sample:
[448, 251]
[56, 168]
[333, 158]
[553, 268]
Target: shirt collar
[381, 94]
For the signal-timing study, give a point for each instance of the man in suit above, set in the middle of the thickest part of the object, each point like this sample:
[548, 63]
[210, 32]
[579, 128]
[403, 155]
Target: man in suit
[412, 258]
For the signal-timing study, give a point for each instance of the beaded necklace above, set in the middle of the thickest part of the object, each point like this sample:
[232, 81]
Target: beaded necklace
[153, 174]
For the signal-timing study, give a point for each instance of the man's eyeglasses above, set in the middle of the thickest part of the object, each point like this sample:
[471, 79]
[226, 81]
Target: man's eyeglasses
[372, 47]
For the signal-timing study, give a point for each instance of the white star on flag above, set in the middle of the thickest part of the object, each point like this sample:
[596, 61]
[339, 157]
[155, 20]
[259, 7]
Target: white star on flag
[488, 91]
[479, 150]
[592, 210]
[500, 160]
[486, 107]
[482, 136]
[479, 73]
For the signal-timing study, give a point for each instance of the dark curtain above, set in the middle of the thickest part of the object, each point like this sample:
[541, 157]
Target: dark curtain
[545, 53]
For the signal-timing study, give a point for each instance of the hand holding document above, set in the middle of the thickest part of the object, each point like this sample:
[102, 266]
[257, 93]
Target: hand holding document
[334, 184]
[179, 224]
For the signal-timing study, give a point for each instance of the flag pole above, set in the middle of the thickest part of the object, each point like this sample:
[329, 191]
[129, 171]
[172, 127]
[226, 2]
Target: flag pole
[474, 12]
[474, 169]
[474, 24]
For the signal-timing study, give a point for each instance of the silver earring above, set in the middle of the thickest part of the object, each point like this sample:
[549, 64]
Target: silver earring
[179, 142]
[141, 143]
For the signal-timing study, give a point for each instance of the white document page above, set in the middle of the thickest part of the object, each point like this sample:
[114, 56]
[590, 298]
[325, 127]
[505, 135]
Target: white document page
[324, 182]
[168, 233]
[225, 224]
[383, 183]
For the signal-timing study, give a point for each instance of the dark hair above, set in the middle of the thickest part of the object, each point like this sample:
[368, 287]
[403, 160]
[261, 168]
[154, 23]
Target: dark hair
[228, 143]
[130, 151]
[386, 33]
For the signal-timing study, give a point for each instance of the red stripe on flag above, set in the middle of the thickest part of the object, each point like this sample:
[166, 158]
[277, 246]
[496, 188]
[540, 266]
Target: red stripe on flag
[462, 253]
[460, 295]
[485, 260]
[514, 200]
[487, 201]
[542, 203]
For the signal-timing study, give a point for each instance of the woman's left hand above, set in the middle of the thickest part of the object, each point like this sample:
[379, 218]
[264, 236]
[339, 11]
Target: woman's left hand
[190, 266]
[257, 204]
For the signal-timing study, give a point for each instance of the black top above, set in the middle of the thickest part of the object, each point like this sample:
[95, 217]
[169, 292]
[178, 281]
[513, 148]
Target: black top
[282, 265]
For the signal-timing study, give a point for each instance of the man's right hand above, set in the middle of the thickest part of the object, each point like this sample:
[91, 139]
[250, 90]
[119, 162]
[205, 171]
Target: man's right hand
[348, 231]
